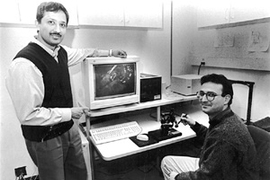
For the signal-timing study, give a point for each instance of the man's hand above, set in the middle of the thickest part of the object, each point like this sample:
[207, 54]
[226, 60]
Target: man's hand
[77, 112]
[185, 119]
[119, 53]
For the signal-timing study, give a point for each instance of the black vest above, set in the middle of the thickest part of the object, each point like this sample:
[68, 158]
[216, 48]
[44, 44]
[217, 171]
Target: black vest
[55, 75]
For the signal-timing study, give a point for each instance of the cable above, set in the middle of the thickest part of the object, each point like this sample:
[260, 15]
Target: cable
[21, 177]
[202, 64]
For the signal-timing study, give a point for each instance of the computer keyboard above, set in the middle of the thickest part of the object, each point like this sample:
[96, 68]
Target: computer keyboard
[115, 132]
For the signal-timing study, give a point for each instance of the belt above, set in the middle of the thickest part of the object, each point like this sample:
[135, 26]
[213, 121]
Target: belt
[44, 133]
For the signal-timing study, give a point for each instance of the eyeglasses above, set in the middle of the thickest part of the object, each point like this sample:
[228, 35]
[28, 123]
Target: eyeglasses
[210, 96]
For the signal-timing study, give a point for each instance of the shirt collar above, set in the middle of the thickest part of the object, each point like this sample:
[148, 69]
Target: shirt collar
[53, 53]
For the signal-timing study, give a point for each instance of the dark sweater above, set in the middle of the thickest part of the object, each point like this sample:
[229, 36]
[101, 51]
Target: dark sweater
[57, 89]
[55, 75]
[228, 151]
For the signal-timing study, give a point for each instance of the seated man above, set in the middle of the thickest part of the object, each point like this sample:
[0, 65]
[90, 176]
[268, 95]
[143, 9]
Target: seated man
[228, 151]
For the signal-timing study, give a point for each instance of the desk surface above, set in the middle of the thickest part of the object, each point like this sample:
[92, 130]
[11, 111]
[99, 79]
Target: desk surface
[126, 147]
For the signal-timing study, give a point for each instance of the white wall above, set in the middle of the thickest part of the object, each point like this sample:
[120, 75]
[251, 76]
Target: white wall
[151, 45]
[191, 44]
[183, 33]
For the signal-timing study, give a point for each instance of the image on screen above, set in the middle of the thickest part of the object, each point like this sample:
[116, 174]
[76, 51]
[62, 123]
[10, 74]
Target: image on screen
[114, 80]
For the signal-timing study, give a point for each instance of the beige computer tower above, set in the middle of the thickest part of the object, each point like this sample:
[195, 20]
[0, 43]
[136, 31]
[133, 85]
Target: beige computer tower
[187, 84]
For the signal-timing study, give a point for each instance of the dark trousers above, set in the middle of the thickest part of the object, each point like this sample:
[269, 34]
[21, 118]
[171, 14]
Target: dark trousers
[60, 158]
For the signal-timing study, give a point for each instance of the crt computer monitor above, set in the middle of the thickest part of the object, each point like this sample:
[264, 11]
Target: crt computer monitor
[111, 81]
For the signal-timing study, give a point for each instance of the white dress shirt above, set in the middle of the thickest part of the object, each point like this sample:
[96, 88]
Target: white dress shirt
[26, 88]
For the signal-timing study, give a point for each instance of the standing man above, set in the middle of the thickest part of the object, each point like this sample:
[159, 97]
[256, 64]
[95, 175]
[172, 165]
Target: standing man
[228, 151]
[38, 82]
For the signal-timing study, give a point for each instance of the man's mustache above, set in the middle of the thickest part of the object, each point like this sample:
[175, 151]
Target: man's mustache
[57, 34]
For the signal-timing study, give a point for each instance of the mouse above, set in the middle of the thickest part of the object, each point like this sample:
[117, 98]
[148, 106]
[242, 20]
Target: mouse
[142, 137]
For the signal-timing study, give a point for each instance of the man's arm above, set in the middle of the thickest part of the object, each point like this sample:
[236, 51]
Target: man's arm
[24, 83]
[76, 56]
[199, 129]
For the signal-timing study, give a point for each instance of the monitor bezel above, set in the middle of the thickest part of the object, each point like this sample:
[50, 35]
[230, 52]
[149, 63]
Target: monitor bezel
[89, 79]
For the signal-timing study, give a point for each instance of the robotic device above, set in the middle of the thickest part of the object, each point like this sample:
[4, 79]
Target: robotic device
[166, 131]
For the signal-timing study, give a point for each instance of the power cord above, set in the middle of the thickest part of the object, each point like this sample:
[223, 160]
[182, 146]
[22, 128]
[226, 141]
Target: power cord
[202, 64]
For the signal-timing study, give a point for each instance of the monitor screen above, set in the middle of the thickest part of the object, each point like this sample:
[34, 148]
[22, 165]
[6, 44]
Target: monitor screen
[114, 80]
